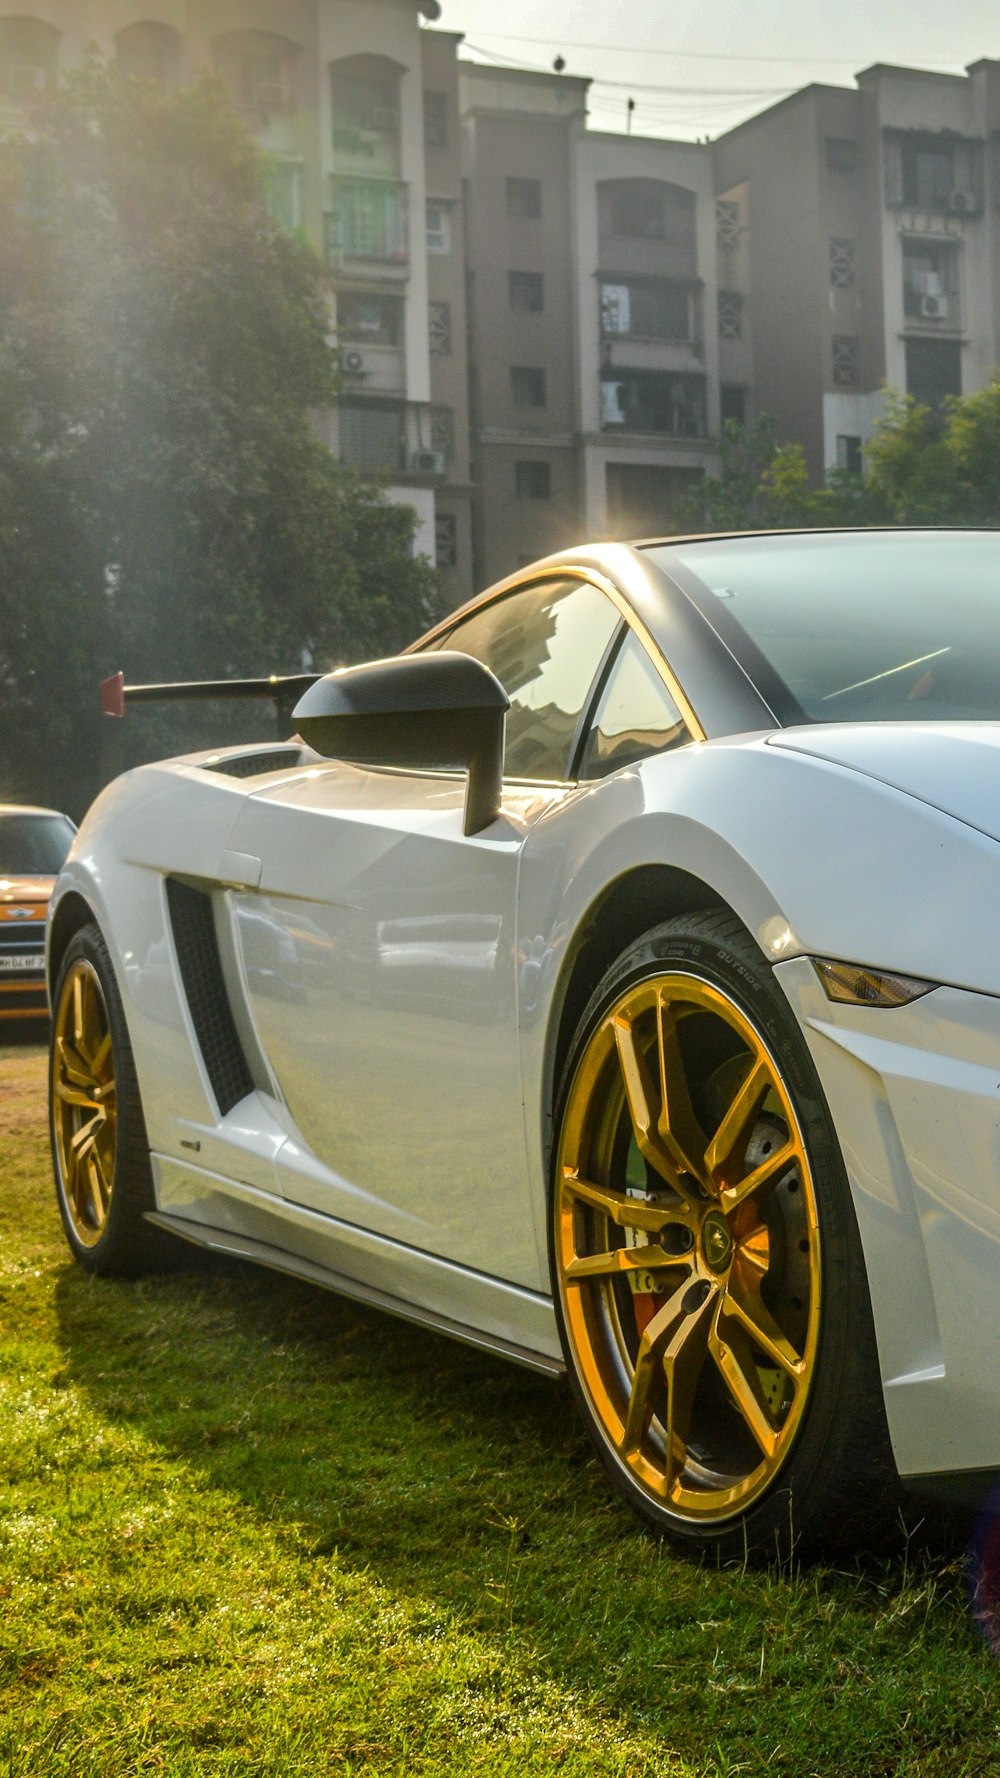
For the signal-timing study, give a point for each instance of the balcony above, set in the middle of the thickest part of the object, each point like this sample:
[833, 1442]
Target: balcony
[655, 402]
[367, 225]
[402, 440]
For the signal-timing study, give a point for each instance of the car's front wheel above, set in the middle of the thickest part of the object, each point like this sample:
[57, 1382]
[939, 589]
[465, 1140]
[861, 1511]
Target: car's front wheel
[707, 1266]
[100, 1154]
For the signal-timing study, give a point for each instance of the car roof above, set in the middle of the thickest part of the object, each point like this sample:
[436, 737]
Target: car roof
[29, 809]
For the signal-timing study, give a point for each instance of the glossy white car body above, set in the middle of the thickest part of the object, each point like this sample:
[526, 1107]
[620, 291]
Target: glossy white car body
[398, 988]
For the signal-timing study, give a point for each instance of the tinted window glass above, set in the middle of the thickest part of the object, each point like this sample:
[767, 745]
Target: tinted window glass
[34, 845]
[635, 717]
[545, 645]
[893, 626]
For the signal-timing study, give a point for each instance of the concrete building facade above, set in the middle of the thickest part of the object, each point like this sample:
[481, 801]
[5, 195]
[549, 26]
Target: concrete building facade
[858, 239]
[593, 320]
[355, 108]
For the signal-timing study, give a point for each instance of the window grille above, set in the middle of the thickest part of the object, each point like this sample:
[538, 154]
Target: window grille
[730, 315]
[440, 330]
[846, 360]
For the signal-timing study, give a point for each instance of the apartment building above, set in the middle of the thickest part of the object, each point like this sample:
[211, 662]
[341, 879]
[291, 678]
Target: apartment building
[592, 319]
[355, 108]
[858, 242]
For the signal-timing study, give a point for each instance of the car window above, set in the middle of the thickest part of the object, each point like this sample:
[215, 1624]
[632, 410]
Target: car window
[34, 845]
[545, 643]
[636, 715]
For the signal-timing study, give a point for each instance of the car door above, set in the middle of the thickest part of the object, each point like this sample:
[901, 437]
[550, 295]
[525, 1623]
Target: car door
[380, 954]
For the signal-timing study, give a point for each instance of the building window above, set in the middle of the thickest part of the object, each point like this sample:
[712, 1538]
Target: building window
[438, 227]
[527, 385]
[654, 401]
[28, 55]
[150, 52]
[283, 192]
[365, 104]
[446, 539]
[846, 360]
[733, 403]
[650, 309]
[435, 120]
[727, 224]
[933, 173]
[526, 291]
[850, 454]
[841, 263]
[931, 281]
[368, 221]
[369, 320]
[841, 154]
[371, 434]
[440, 330]
[730, 315]
[524, 198]
[257, 68]
[533, 481]
[933, 371]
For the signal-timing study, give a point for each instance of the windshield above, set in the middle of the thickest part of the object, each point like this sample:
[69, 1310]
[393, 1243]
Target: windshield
[34, 845]
[865, 626]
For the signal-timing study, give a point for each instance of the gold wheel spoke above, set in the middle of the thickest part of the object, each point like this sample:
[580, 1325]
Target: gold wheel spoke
[82, 1143]
[768, 1171]
[679, 1128]
[739, 1373]
[74, 1095]
[622, 1260]
[671, 1352]
[728, 1146]
[643, 1111]
[757, 1320]
[72, 1064]
[628, 1213]
[102, 1058]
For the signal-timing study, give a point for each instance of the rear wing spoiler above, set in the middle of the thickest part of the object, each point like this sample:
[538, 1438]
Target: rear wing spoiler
[281, 690]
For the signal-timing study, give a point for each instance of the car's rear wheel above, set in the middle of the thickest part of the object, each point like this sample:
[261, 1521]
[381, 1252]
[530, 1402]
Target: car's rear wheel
[707, 1266]
[100, 1154]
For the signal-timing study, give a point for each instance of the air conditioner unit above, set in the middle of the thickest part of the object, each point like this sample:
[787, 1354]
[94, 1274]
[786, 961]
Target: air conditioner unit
[934, 308]
[962, 203]
[427, 462]
[353, 363]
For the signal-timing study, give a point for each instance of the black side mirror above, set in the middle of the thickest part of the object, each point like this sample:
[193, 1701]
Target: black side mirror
[440, 711]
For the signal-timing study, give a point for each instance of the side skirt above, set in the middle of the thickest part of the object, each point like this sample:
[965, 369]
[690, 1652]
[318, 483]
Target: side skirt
[237, 1246]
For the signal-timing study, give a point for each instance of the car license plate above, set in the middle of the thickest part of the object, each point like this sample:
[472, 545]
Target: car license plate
[18, 962]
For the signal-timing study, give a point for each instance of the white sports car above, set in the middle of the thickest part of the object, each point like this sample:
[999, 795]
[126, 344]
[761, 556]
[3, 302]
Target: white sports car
[611, 981]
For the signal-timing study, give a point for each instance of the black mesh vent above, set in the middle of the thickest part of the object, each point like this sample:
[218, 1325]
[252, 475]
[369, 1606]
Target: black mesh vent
[201, 972]
[23, 1000]
[253, 765]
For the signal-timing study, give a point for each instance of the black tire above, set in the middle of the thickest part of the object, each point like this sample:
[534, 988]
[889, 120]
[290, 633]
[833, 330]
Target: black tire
[693, 1004]
[105, 1190]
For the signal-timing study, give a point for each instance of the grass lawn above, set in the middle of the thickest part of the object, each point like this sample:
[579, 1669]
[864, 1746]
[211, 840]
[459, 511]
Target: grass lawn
[248, 1529]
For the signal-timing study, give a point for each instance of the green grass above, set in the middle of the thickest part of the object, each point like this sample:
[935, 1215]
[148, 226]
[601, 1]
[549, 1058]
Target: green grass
[248, 1529]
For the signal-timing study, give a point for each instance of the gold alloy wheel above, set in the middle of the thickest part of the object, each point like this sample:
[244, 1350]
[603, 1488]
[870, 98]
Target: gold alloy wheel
[687, 1247]
[84, 1116]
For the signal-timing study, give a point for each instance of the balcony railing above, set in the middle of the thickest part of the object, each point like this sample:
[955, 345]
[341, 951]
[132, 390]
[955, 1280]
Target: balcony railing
[367, 221]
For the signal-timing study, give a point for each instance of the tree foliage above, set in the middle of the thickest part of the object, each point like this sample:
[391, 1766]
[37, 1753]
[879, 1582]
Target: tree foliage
[166, 503]
[921, 468]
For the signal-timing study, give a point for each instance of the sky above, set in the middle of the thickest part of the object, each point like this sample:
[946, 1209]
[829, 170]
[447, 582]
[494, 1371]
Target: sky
[696, 69]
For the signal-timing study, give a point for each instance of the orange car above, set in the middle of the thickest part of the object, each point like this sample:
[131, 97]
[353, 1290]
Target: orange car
[33, 847]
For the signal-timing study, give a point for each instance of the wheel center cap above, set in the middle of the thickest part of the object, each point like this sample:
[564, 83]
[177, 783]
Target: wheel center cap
[716, 1242]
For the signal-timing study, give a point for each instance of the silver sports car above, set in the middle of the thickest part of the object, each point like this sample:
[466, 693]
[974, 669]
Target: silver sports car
[612, 981]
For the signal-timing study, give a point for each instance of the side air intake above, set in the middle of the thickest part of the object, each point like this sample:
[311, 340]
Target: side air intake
[197, 948]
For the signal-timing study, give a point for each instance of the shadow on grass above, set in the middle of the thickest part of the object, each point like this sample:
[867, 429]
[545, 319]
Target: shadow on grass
[459, 1480]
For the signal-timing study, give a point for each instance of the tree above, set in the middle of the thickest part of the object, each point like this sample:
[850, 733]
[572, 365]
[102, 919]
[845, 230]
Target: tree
[921, 468]
[166, 504]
